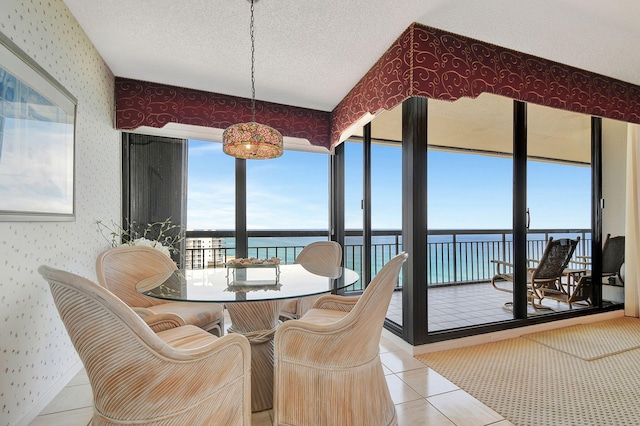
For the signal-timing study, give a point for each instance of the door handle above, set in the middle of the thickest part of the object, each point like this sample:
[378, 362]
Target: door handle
[528, 219]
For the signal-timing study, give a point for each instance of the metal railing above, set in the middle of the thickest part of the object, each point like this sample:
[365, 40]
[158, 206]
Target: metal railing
[453, 256]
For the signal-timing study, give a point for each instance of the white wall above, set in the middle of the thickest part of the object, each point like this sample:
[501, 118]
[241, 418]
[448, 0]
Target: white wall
[36, 355]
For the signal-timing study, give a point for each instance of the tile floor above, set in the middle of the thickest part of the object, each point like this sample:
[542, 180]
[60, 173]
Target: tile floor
[422, 397]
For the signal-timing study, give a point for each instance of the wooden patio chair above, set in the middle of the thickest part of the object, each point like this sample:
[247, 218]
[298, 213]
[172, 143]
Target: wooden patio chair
[327, 364]
[179, 376]
[612, 261]
[613, 257]
[545, 278]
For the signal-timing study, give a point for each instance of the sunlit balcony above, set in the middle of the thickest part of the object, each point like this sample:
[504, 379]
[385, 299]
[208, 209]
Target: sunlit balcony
[459, 266]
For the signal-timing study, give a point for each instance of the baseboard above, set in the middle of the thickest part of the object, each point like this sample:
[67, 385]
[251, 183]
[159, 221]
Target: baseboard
[50, 394]
[497, 335]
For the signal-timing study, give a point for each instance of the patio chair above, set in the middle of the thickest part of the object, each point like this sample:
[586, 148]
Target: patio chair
[317, 253]
[612, 261]
[612, 257]
[545, 278]
[327, 368]
[180, 376]
[119, 269]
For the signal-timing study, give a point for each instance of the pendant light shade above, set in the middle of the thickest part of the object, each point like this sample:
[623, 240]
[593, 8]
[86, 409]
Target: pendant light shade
[252, 140]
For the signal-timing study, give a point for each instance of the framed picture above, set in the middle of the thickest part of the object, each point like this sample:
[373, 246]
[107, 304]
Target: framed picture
[37, 141]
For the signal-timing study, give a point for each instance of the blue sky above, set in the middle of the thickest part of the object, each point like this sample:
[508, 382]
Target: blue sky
[475, 192]
[290, 192]
[465, 191]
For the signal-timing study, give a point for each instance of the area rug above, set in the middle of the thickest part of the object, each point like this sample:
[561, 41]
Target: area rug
[592, 341]
[532, 384]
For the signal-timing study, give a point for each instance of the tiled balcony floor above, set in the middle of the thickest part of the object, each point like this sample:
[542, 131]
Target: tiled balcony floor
[465, 305]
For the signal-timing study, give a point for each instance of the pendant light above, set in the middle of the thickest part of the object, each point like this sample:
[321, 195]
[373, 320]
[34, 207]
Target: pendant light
[252, 140]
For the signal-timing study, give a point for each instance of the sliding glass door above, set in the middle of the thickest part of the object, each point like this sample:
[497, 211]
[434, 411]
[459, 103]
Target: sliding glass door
[373, 201]
[559, 176]
[469, 210]
[503, 178]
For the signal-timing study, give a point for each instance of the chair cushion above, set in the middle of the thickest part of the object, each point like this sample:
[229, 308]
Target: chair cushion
[323, 316]
[198, 314]
[186, 337]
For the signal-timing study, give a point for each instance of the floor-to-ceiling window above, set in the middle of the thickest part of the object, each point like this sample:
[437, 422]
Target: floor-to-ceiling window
[288, 193]
[386, 206]
[286, 201]
[211, 204]
[353, 207]
[211, 187]
[470, 197]
[474, 189]
[559, 191]
[614, 148]
[373, 202]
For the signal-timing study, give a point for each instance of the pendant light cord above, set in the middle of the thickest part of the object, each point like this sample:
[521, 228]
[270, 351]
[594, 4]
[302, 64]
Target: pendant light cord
[252, 140]
[253, 68]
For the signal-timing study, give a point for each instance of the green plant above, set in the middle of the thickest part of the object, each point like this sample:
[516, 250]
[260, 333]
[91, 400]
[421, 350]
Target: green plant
[164, 236]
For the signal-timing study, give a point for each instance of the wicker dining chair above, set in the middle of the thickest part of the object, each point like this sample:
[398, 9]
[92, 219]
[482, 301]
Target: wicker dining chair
[180, 376]
[119, 269]
[327, 363]
[316, 253]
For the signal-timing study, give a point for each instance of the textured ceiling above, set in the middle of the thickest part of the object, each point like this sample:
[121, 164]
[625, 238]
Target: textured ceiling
[311, 53]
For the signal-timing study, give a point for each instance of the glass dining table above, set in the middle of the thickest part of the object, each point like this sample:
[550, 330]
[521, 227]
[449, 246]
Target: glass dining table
[253, 296]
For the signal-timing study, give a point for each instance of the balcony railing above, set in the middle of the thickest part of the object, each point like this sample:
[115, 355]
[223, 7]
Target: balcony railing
[453, 256]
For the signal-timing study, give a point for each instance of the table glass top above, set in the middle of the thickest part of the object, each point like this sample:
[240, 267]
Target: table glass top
[247, 283]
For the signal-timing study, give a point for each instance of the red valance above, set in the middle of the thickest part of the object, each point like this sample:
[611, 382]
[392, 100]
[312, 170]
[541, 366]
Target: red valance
[140, 103]
[423, 61]
[432, 63]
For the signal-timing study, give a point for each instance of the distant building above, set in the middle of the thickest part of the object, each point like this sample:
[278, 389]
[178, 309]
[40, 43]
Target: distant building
[204, 253]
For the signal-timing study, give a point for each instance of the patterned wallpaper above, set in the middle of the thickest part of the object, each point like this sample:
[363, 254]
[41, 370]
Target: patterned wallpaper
[36, 355]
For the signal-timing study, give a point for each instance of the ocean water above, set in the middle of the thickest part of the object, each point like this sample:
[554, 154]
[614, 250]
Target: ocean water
[450, 258]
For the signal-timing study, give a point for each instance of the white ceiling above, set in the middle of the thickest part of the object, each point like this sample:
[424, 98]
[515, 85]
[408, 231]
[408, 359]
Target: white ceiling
[311, 53]
[485, 125]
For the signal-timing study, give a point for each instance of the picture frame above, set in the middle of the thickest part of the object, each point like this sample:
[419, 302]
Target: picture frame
[37, 141]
